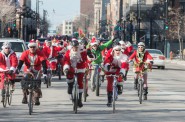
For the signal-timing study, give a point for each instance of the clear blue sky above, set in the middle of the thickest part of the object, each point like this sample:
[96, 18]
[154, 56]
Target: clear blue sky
[63, 10]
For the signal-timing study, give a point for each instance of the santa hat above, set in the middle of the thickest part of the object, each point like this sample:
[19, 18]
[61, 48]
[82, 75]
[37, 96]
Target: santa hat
[6, 45]
[32, 43]
[121, 42]
[94, 41]
[117, 47]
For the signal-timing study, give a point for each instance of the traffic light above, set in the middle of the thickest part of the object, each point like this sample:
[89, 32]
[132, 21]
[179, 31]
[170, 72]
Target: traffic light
[166, 26]
[14, 24]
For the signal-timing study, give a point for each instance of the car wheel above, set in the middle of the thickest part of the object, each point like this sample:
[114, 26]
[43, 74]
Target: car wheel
[162, 67]
[158, 67]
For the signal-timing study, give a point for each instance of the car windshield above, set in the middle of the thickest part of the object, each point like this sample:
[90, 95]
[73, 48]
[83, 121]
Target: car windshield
[16, 46]
[155, 52]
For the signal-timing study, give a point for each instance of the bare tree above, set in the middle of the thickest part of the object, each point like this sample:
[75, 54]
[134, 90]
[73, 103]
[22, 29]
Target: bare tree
[177, 27]
[7, 10]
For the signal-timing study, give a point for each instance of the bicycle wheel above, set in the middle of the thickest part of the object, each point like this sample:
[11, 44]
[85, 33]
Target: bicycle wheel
[97, 84]
[75, 100]
[30, 103]
[85, 88]
[140, 91]
[114, 99]
[6, 94]
[10, 97]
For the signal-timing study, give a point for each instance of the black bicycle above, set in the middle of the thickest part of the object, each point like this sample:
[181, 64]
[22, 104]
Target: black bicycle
[32, 84]
[75, 94]
[85, 87]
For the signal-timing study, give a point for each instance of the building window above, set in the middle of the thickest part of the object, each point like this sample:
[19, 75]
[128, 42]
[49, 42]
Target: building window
[69, 27]
[66, 31]
[69, 32]
[66, 27]
[69, 23]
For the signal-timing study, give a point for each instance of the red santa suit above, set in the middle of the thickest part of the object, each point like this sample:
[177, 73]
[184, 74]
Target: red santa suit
[147, 57]
[32, 61]
[126, 49]
[9, 62]
[51, 53]
[76, 60]
[114, 61]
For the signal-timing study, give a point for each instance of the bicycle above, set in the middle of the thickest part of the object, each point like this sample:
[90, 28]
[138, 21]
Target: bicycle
[59, 67]
[114, 91]
[75, 94]
[32, 84]
[48, 79]
[7, 97]
[140, 71]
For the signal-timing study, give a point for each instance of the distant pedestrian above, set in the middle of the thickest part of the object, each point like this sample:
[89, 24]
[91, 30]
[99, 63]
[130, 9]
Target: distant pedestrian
[171, 55]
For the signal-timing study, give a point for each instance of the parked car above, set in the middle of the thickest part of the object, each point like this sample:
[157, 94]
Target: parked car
[18, 46]
[158, 57]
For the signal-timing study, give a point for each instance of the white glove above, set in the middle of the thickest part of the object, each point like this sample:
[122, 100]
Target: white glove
[128, 44]
[44, 75]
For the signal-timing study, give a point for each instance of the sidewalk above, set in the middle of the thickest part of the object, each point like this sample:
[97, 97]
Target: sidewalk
[176, 61]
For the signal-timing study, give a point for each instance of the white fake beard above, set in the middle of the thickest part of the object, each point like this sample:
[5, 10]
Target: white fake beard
[75, 57]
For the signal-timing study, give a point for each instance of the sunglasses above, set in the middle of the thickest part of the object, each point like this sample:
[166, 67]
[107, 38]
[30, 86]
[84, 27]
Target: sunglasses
[7, 48]
[117, 50]
[140, 47]
[95, 45]
[32, 47]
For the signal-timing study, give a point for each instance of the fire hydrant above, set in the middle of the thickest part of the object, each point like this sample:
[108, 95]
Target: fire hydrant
[171, 55]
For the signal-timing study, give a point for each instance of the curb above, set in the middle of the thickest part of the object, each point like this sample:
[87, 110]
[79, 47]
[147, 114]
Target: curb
[175, 61]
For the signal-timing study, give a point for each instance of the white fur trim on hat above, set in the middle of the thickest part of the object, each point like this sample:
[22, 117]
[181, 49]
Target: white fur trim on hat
[117, 47]
[32, 44]
[6, 44]
[128, 44]
[122, 42]
[94, 43]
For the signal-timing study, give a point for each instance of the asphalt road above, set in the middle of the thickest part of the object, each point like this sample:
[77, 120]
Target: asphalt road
[166, 102]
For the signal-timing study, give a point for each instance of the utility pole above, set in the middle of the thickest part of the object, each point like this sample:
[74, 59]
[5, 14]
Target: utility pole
[166, 19]
[138, 21]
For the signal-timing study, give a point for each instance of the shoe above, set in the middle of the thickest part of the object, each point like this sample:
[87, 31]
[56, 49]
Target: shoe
[37, 102]
[2, 100]
[87, 95]
[135, 83]
[109, 104]
[80, 104]
[109, 96]
[24, 100]
[145, 90]
[120, 89]
[13, 87]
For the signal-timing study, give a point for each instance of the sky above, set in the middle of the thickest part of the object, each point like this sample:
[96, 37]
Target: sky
[58, 10]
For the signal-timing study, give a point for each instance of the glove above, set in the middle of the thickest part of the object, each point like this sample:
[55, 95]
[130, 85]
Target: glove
[152, 62]
[10, 72]
[114, 39]
[88, 52]
[17, 71]
[108, 67]
[44, 75]
[66, 71]
[121, 75]
[61, 42]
